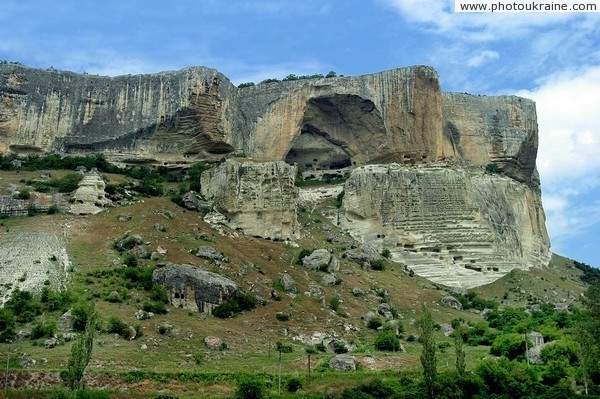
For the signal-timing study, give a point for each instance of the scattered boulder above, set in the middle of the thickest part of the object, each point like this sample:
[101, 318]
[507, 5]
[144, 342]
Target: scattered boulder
[451, 302]
[21, 335]
[26, 360]
[160, 227]
[50, 343]
[329, 279]
[446, 329]
[386, 311]
[368, 317]
[128, 242]
[357, 292]
[206, 252]
[124, 218]
[143, 315]
[289, 285]
[343, 362]
[213, 343]
[190, 200]
[113, 296]
[144, 347]
[363, 255]
[194, 288]
[321, 259]
[69, 336]
[161, 250]
[65, 322]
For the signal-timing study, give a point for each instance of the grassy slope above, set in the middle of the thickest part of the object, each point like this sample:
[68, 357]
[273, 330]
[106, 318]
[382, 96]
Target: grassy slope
[256, 265]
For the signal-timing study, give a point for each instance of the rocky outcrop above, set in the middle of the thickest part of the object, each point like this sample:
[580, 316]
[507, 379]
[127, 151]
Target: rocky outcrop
[460, 228]
[165, 116]
[259, 199]
[193, 288]
[90, 197]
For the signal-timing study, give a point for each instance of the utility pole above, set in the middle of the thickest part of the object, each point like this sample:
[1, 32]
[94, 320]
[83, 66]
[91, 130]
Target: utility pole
[526, 349]
[279, 372]
[309, 367]
[6, 375]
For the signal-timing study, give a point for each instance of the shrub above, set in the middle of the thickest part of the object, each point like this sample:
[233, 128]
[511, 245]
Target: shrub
[509, 345]
[234, 305]
[131, 260]
[118, 326]
[339, 347]
[154, 307]
[159, 293]
[335, 303]
[303, 254]
[24, 195]
[386, 253]
[198, 357]
[282, 316]
[294, 384]
[43, 330]
[7, 325]
[377, 264]
[250, 389]
[139, 276]
[80, 314]
[246, 84]
[339, 200]
[387, 341]
[23, 305]
[374, 323]
[283, 348]
[492, 168]
[321, 347]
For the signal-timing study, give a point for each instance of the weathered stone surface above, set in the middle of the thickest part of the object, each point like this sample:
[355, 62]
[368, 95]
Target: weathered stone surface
[446, 329]
[289, 285]
[329, 279]
[259, 199]
[129, 242]
[343, 362]
[50, 343]
[213, 343]
[457, 227]
[209, 253]
[194, 288]
[90, 197]
[319, 259]
[65, 322]
[452, 302]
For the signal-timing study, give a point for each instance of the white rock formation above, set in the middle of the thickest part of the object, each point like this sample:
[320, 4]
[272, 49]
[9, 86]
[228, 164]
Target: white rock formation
[455, 227]
[259, 199]
[90, 198]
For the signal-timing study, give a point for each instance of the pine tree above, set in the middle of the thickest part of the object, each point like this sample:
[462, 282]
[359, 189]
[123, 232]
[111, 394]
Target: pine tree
[460, 352]
[427, 327]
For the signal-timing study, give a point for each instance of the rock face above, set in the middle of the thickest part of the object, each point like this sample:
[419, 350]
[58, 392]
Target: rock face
[90, 197]
[457, 227]
[194, 288]
[259, 199]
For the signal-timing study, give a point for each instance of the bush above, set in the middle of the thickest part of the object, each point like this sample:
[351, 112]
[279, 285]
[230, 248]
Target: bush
[198, 357]
[23, 305]
[24, 195]
[159, 293]
[118, 326]
[560, 351]
[321, 347]
[80, 314]
[131, 260]
[303, 254]
[387, 341]
[335, 303]
[154, 307]
[492, 168]
[374, 323]
[283, 348]
[386, 253]
[509, 345]
[234, 305]
[378, 264]
[282, 316]
[250, 389]
[294, 384]
[7, 325]
[339, 347]
[246, 84]
[43, 330]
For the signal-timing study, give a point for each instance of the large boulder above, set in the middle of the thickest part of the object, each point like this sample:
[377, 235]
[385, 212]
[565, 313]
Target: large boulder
[288, 283]
[451, 302]
[259, 199]
[194, 288]
[343, 362]
[321, 259]
[90, 197]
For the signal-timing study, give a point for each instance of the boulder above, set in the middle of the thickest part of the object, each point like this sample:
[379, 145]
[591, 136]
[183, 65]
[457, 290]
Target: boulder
[50, 343]
[357, 292]
[213, 343]
[128, 242]
[451, 302]
[363, 255]
[194, 288]
[343, 362]
[90, 197]
[209, 253]
[289, 285]
[446, 329]
[321, 259]
[191, 200]
[65, 322]
[329, 279]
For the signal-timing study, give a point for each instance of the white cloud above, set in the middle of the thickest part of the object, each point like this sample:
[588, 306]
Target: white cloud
[439, 16]
[569, 150]
[482, 58]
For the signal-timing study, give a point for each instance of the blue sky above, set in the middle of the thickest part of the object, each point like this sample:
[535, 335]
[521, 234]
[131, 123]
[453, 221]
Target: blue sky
[551, 58]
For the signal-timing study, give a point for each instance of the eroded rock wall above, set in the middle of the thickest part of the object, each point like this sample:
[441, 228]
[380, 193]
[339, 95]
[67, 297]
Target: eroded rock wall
[260, 199]
[456, 227]
[164, 116]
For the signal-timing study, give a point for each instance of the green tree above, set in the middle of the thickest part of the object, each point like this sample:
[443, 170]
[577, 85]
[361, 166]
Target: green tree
[460, 352]
[427, 340]
[81, 354]
[7, 325]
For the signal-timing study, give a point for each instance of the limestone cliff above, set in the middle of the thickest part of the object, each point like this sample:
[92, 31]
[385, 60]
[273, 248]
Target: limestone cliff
[453, 226]
[259, 199]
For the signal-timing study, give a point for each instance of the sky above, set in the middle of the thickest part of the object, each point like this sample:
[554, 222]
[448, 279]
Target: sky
[551, 58]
